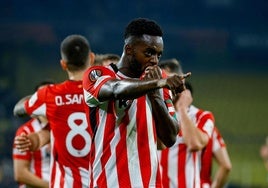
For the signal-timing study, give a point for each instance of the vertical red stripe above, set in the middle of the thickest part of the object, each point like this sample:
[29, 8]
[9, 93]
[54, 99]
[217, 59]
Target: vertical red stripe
[62, 175]
[76, 178]
[201, 118]
[91, 160]
[107, 137]
[181, 165]
[143, 141]
[53, 175]
[122, 159]
[206, 163]
[164, 165]
[37, 156]
[159, 178]
[194, 158]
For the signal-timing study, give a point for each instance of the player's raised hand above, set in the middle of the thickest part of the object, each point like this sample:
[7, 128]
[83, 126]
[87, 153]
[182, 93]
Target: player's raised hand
[152, 72]
[176, 83]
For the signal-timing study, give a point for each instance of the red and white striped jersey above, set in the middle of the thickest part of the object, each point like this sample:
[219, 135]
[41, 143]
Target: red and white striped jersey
[179, 166]
[124, 152]
[63, 105]
[215, 143]
[40, 159]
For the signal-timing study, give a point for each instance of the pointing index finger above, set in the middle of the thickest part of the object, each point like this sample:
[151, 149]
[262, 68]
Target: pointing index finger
[188, 74]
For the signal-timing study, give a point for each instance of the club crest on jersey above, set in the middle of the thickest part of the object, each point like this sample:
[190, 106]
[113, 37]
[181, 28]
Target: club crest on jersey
[94, 75]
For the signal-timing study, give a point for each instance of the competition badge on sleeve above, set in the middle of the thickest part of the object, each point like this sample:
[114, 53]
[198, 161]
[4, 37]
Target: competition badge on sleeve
[94, 75]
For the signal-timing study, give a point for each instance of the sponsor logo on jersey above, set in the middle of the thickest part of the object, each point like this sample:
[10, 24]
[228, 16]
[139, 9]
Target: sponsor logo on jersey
[95, 74]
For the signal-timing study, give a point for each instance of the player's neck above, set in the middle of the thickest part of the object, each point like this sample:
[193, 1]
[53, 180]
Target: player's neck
[75, 75]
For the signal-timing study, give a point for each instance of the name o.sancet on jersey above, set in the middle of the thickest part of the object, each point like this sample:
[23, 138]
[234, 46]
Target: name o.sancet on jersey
[69, 99]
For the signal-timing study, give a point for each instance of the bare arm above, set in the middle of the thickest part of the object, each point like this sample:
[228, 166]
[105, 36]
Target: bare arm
[224, 168]
[166, 126]
[128, 88]
[19, 109]
[194, 138]
[23, 174]
[133, 88]
[33, 141]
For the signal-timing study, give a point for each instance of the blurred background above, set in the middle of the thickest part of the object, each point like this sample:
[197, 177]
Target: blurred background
[224, 43]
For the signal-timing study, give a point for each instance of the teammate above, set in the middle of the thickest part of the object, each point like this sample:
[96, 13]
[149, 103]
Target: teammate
[180, 164]
[129, 111]
[32, 168]
[216, 148]
[62, 105]
[106, 59]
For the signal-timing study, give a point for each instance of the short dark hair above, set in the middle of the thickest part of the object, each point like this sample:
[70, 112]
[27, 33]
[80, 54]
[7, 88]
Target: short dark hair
[75, 50]
[173, 64]
[141, 26]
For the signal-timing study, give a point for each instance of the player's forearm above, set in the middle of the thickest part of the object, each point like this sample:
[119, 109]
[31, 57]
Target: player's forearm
[43, 137]
[166, 126]
[220, 177]
[35, 141]
[194, 138]
[30, 179]
[129, 88]
[224, 167]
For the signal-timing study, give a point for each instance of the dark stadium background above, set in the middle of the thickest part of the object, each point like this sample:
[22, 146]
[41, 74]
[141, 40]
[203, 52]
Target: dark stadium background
[224, 43]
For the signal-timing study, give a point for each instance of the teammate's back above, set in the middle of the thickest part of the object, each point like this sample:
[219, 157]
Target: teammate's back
[63, 105]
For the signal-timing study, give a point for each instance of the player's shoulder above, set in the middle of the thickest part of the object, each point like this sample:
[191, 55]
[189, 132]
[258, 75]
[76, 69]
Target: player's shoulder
[95, 67]
[216, 131]
[26, 127]
[201, 113]
[200, 110]
[63, 87]
[46, 88]
[94, 72]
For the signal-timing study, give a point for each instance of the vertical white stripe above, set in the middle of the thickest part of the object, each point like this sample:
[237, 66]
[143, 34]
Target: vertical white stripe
[132, 150]
[198, 169]
[36, 125]
[151, 142]
[110, 169]
[57, 176]
[68, 177]
[84, 174]
[45, 159]
[189, 169]
[98, 141]
[173, 166]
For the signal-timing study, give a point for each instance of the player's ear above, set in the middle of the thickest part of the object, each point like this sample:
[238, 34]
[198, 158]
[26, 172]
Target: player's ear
[128, 49]
[63, 64]
[91, 58]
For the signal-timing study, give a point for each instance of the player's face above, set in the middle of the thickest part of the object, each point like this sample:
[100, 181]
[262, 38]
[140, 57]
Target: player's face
[147, 52]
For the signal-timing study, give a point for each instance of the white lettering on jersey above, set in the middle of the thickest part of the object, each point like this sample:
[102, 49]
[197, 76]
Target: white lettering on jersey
[69, 99]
